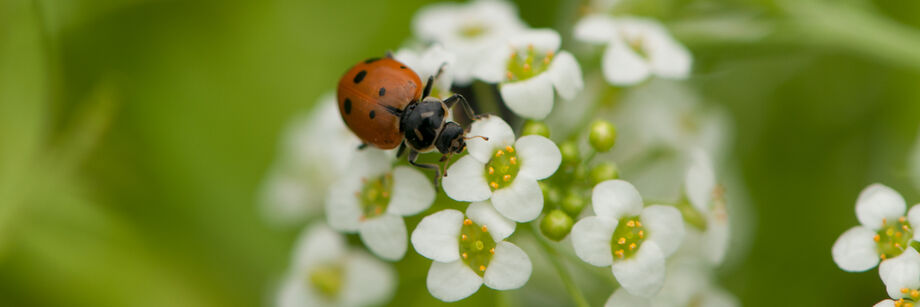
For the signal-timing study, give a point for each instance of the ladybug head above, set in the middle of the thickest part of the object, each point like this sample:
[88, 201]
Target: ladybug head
[451, 141]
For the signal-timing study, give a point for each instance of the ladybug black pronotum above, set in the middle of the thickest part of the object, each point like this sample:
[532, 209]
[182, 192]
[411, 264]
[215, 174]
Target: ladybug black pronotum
[383, 103]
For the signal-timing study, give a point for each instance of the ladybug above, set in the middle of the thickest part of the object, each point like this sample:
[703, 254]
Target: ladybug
[383, 102]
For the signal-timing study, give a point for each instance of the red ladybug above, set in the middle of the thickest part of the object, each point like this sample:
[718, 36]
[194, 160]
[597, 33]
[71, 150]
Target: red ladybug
[382, 101]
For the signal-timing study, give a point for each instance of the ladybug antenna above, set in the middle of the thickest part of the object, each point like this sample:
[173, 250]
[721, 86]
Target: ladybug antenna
[476, 136]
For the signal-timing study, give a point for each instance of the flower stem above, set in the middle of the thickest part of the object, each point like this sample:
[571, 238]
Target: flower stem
[577, 297]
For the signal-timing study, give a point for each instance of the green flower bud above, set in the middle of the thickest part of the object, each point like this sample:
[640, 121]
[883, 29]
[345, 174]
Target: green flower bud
[570, 152]
[603, 172]
[556, 225]
[551, 194]
[536, 128]
[573, 203]
[602, 136]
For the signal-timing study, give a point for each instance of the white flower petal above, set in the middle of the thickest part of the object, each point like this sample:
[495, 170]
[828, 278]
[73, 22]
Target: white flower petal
[665, 227]
[494, 128]
[522, 201]
[542, 40]
[452, 281]
[343, 211]
[385, 236]
[913, 217]
[622, 298]
[885, 303]
[294, 293]
[622, 65]
[483, 213]
[877, 202]
[436, 235]
[667, 57]
[412, 192]
[715, 297]
[717, 238]
[591, 239]
[466, 181]
[700, 180]
[539, 157]
[368, 281]
[493, 65]
[901, 272]
[370, 162]
[317, 244]
[509, 268]
[616, 199]
[643, 273]
[565, 74]
[597, 29]
[855, 251]
[531, 98]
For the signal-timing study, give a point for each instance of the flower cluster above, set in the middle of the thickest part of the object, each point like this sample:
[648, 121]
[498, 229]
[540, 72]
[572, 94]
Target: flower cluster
[519, 167]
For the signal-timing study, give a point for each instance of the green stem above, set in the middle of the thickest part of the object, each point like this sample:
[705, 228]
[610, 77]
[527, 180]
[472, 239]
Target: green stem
[577, 297]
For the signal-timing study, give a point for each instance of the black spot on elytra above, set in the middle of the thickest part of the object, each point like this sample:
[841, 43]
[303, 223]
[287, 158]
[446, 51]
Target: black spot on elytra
[360, 76]
[371, 60]
[347, 106]
[372, 114]
[382, 92]
[402, 66]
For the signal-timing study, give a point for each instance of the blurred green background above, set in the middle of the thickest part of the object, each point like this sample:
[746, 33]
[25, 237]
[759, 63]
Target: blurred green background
[134, 135]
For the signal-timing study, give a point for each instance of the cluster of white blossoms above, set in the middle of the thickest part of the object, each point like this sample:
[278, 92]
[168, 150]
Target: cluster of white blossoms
[884, 238]
[512, 172]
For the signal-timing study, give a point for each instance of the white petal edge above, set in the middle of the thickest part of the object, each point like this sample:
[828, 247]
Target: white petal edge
[522, 201]
[435, 237]
[452, 281]
[294, 293]
[509, 268]
[494, 128]
[884, 303]
[667, 57]
[412, 192]
[531, 98]
[717, 238]
[466, 181]
[665, 227]
[539, 157]
[483, 213]
[877, 202]
[343, 212]
[317, 244]
[368, 281]
[643, 273]
[385, 236]
[596, 29]
[622, 66]
[901, 272]
[700, 180]
[616, 199]
[542, 40]
[591, 239]
[622, 298]
[913, 217]
[565, 74]
[855, 251]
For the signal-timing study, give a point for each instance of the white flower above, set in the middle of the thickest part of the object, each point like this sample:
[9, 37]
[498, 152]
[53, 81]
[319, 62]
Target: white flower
[503, 170]
[470, 251]
[688, 284]
[324, 272]
[885, 231]
[314, 152]
[528, 68]
[706, 199]
[428, 63]
[637, 48]
[468, 30]
[901, 275]
[373, 198]
[633, 239]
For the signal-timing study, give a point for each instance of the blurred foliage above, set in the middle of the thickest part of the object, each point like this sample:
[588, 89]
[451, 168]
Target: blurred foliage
[134, 135]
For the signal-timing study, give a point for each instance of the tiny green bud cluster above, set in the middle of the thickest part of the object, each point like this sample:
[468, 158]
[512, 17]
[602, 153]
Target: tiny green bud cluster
[603, 135]
[556, 224]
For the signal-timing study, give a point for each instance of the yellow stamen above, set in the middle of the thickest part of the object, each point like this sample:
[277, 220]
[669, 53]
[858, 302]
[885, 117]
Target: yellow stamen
[905, 290]
[876, 238]
[622, 240]
[499, 153]
[619, 253]
[631, 223]
[509, 75]
[484, 228]
[902, 219]
[463, 237]
[914, 293]
[467, 222]
[632, 246]
[464, 255]
[514, 161]
[509, 148]
[491, 170]
[493, 184]
[492, 251]
[638, 224]
[641, 234]
[507, 178]
[482, 268]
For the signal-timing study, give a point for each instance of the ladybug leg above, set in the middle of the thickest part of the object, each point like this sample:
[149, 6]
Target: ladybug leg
[428, 85]
[362, 146]
[389, 54]
[413, 155]
[467, 109]
[402, 148]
